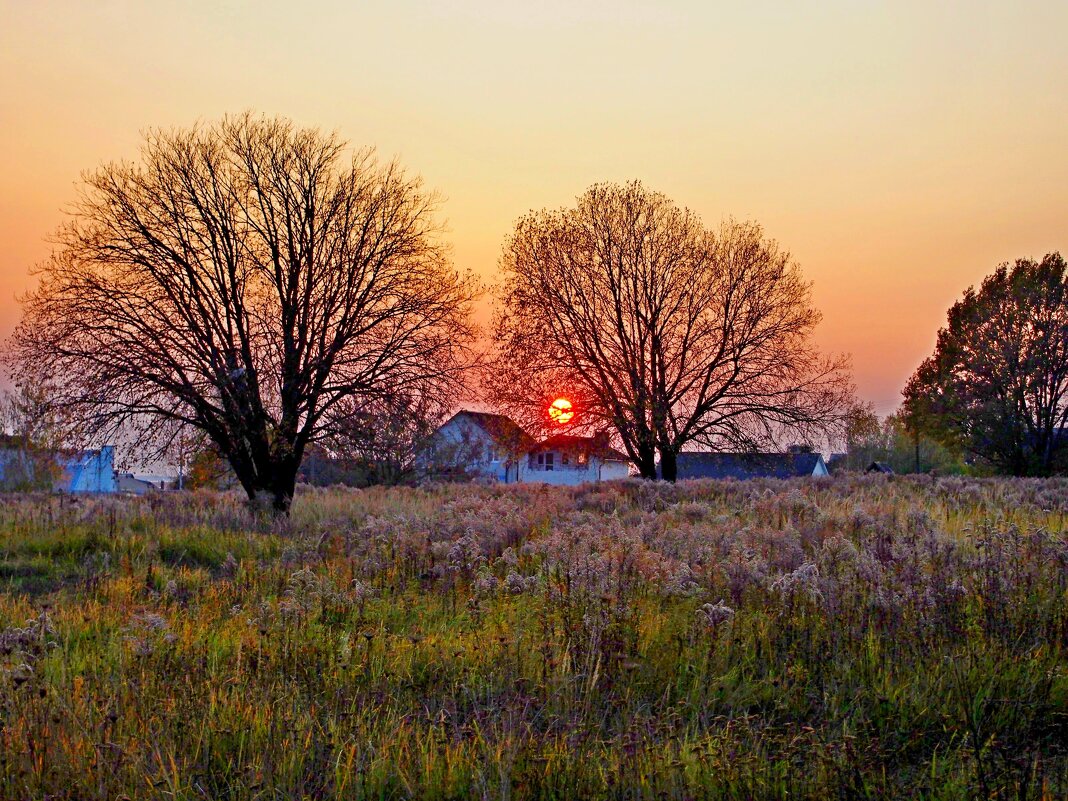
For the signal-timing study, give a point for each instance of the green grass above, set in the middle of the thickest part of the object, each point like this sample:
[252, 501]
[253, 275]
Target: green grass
[885, 639]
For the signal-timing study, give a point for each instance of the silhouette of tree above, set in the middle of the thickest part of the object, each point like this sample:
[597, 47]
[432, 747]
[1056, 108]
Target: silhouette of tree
[246, 279]
[667, 332]
[997, 383]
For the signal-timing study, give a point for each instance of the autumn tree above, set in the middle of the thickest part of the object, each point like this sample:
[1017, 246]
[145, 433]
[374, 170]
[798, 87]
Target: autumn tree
[246, 279]
[667, 332]
[997, 384]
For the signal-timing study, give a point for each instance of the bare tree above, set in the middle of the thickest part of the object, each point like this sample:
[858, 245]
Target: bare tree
[668, 332]
[246, 279]
[383, 439]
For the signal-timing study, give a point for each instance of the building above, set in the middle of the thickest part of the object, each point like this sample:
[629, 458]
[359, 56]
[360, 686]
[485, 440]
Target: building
[750, 465]
[476, 445]
[568, 459]
[492, 447]
[87, 471]
[132, 485]
[879, 467]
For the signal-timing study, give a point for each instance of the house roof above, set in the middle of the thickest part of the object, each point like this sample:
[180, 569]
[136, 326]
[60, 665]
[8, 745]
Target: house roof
[504, 430]
[747, 465]
[879, 467]
[594, 446]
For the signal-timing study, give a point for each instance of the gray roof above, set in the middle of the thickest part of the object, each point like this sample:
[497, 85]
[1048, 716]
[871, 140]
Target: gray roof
[747, 465]
[503, 430]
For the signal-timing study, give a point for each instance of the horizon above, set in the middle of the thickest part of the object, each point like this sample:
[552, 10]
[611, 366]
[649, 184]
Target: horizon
[900, 153]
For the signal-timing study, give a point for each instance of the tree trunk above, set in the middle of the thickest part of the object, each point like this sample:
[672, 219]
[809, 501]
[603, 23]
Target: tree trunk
[646, 463]
[270, 487]
[284, 487]
[669, 468]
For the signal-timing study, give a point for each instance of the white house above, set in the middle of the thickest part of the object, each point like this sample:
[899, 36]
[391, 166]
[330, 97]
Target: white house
[493, 447]
[567, 459]
[476, 445]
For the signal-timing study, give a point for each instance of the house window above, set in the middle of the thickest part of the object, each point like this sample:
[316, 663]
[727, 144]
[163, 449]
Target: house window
[582, 459]
[549, 460]
[541, 458]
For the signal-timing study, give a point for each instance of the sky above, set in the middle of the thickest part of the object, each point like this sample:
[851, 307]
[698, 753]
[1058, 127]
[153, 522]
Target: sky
[899, 150]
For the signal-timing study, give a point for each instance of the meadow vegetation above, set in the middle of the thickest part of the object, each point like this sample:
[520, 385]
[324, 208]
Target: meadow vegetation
[855, 637]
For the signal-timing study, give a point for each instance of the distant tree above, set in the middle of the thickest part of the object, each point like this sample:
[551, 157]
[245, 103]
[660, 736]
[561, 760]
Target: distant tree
[666, 332]
[997, 383]
[246, 280]
[892, 441]
[207, 469]
[32, 438]
[377, 442]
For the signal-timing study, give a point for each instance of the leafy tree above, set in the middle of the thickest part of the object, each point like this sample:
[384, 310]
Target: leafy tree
[247, 280]
[668, 333]
[997, 383]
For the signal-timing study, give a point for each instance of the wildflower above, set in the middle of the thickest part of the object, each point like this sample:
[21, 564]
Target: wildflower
[229, 566]
[517, 584]
[803, 582]
[485, 583]
[715, 615]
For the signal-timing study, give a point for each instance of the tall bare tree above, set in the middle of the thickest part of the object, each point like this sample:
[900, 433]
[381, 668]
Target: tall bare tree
[670, 333]
[247, 279]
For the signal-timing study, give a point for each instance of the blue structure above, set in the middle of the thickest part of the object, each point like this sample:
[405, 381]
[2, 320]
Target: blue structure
[87, 471]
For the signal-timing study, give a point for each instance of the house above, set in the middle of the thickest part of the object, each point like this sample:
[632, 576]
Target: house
[90, 470]
[750, 465]
[879, 467]
[476, 445]
[492, 447]
[568, 459]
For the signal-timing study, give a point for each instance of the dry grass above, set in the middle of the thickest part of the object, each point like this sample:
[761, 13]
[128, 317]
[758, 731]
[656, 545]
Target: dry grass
[838, 638]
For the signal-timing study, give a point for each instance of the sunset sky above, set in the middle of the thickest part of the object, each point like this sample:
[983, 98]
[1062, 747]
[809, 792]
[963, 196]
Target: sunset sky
[900, 150]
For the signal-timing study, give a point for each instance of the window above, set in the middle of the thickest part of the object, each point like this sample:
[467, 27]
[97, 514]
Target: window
[549, 460]
[582, 459]
[541, 458]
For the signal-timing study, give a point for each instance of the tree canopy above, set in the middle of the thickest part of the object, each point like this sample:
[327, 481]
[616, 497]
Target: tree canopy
[665, 331]
[249, 279]
[997, 383]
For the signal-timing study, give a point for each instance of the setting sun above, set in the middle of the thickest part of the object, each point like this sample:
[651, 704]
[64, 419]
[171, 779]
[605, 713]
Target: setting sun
[560, 411]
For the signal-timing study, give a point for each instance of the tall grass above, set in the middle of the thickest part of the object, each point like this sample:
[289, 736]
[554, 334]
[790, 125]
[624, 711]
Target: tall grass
[851, 638]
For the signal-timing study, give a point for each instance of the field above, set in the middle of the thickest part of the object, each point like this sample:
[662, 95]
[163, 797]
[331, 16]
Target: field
[845, 638]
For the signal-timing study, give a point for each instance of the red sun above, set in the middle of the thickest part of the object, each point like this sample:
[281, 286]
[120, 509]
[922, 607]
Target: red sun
[561, 411]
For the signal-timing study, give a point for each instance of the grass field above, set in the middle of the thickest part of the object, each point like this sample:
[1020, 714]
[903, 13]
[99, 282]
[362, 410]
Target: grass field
[845, 638]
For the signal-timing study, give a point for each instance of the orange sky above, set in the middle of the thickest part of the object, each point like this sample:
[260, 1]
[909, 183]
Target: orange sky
[899, 149]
